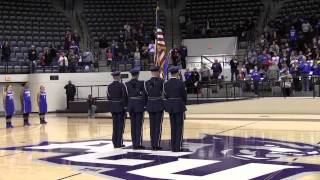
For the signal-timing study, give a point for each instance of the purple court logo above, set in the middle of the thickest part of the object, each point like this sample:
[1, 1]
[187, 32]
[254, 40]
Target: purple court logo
[207, 158]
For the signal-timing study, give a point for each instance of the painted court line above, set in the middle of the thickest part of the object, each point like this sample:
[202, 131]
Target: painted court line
[69, 176]
[236, 127]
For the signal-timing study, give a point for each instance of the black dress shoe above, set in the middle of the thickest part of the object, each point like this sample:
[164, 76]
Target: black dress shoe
[156, 148]
[141, 147]
[122, 146]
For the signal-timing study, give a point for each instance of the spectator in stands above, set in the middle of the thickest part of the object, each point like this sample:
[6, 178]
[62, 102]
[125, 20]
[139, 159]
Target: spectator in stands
[175, 56]
[195, 78]
[76, 38]
[263, 42]
[274, 48]
[63, 62]
[144, 56]
[316, 69]
[183, 54]
[293, 37]
[190, 27]
[286, 79]
[72, 61]
[305, 71]
[295, 71]
[234, 69]
[256, 78]
[317, 28]
[205, 74]
[47, 57]
[6, 52]
[67, 40]
[306, 28]
[109, 57]
[103, 42]
[74, 47]
[151, 51]
[53, 52]
[182, 20]
[216, 70]
[32, 56]
[125, 52]
[121, 36]
[264, 60]
[188, 80]
[127, 31]
[273, 72]
[137, 58]
[87, 58]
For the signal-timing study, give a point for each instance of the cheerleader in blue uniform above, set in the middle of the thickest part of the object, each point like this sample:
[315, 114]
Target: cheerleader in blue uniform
[26, 107]
[8, 103]
[42, 103]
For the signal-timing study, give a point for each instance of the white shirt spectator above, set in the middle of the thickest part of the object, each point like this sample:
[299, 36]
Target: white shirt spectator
[127, 27]
[182, 19]
[275, 59]
[136, 56]
[306, 27]
[61, 59]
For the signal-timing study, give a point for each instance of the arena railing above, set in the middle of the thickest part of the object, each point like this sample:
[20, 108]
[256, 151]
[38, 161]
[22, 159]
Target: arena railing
[220, 90]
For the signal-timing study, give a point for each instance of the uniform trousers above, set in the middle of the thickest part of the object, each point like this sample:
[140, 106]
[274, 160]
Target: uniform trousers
[176, 122]
[156, 119]
[118, 128]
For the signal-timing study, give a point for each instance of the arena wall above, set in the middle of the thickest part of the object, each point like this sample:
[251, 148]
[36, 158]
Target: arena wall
[55, 88]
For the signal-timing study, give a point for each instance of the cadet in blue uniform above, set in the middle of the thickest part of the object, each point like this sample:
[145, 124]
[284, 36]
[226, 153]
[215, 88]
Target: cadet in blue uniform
[26, 107]
[155, 107]
[175, 104]
[136, 103]
[117, 96]
[42, 103]
[8, 103]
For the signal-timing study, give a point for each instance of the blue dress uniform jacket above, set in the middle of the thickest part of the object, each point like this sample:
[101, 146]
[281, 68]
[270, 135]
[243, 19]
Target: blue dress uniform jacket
[136, 104]
[136, 95]
[118, 98]
[154, 90]
[155, 108]
[176, 98]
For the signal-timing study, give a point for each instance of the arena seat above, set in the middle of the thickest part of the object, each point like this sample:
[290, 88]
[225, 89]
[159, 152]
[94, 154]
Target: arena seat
[28, 22]
[221, 14]
[108, 17]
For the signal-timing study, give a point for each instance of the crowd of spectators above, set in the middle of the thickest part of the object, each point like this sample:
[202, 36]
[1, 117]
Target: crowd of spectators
[288, 50]
[68, 58]
[136, 45]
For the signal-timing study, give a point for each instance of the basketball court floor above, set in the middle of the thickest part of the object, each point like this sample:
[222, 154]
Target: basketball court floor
[216, 147]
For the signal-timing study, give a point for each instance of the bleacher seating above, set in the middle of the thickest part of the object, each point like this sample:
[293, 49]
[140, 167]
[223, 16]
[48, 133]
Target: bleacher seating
[28, 22]
[223, 15]
[109, 17]
[299, 7]
[291, 11]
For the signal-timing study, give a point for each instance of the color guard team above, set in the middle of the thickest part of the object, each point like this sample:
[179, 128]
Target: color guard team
[26, 104]
[154, 96]
[135, 97]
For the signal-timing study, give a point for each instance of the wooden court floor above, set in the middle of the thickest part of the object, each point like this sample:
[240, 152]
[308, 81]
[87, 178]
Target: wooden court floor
[215, 149]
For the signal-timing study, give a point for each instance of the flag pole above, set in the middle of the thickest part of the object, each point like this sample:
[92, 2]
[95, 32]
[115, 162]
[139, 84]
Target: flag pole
[155, 40]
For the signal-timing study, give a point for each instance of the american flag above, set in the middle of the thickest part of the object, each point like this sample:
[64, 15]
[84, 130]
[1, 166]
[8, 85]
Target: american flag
[160, 48]
[160, 58]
